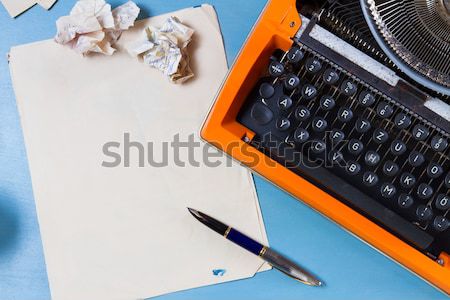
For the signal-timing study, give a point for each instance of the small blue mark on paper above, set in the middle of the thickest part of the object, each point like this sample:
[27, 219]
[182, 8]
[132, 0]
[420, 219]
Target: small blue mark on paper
[218, 272]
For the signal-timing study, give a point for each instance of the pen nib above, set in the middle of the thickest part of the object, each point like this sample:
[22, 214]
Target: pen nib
[194, 212]
[210, 222]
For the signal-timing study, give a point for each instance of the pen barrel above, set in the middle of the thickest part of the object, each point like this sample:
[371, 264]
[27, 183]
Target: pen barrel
[244, 241]
[272, 257]
[288, 267]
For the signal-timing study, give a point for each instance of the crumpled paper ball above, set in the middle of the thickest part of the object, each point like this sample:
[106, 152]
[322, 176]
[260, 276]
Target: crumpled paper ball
[165, 49]
[93, 27]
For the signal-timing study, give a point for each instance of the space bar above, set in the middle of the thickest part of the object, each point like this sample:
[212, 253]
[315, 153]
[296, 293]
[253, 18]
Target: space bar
[351, 196]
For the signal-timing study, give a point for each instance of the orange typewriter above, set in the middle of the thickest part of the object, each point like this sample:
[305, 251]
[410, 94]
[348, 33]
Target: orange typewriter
[345, 105]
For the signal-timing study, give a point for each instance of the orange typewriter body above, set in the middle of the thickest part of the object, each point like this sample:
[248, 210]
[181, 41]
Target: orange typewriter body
[275, 28]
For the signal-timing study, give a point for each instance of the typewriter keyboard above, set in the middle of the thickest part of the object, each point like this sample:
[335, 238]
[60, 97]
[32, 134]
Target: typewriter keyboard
[357, 143]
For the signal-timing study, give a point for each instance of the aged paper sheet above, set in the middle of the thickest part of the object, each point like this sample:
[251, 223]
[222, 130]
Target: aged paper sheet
[125, 232]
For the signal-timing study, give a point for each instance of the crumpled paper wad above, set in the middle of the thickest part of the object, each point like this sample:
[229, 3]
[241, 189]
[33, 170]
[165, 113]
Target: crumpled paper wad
[93, 27]
[166, 49]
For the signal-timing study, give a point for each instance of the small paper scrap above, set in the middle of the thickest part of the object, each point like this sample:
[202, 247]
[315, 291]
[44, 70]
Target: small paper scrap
[93, 27]
[166, 49]
[16, 7]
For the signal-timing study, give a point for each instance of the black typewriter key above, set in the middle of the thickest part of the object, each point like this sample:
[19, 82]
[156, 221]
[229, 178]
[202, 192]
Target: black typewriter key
[424, 213]
[434, 170]
[416, 159]
[291, 82]
[405, 201]
[283, 124]
[318, 146]
[407, 180]
[276, 69]
[285, 102]
[384, 110]
[327, 103]
[353, 168]
[355, 147]
[348, 88]
[447, 181]
[266, 90]
[336, 136]
[313, 65]
[402, 121]
[388, 190]
[302, 113]
[420, 132]
[330, 76]
[362, 125]
[366, 99]
[319, 124]
[261, 113]
[345, 114]
[309, 91]
[336, 157]
[424, 191]
[398, 147]
[380, 136]
[442, 202]
[370, 178]
[301, 135]
[390, 168]
[441, 223]
[439, 144]
[372, 158]
[295, 55]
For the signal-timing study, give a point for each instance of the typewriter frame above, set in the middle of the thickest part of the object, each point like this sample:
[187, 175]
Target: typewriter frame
[274, 29]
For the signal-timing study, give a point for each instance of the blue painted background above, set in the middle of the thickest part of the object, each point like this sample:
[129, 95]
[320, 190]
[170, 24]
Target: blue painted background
[351, 269]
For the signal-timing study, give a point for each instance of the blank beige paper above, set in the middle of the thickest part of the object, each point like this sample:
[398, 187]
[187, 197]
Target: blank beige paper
[125, 233]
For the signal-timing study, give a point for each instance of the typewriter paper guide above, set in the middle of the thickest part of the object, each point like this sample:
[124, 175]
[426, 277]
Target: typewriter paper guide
[125, 233]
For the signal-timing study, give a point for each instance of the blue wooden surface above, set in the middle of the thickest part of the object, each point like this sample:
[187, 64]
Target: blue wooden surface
[351, 269]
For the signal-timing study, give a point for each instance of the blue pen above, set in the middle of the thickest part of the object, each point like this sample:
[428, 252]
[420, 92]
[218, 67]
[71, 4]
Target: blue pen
[273, 258]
